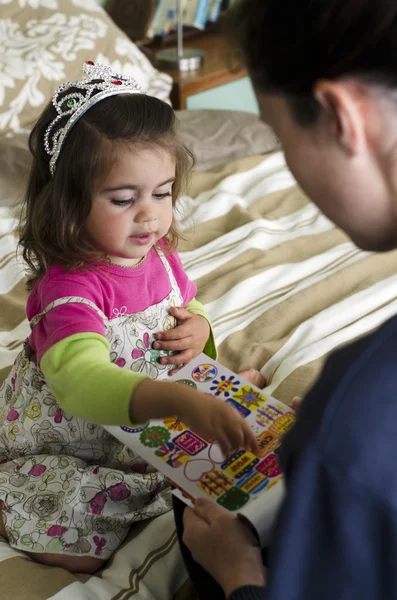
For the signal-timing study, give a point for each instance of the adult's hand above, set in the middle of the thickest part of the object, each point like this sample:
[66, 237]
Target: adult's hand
[223, 546]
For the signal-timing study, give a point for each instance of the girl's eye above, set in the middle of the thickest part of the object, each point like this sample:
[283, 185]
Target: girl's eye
[122, 202]
[161, 196]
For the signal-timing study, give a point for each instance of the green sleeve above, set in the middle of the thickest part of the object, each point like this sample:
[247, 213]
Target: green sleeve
[84, 381]
[197, 308]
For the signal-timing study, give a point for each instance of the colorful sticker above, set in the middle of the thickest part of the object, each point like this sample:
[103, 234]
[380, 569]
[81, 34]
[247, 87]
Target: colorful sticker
[225, 385]
[273, 482]
[135, 429]
[196, 468]
[244, 412]
[253, 483]
[172, 455]
[267, 415]
[206, 438]
[215, 483]
[188, 382]
[155, 355]
[240, 463]
[283, 424]
[267, 441]
[203, 373]
[249, 397]
[190, 442]
[233, 499]
[153, 437]
[174, 424]
[215, 454]
[269, 466]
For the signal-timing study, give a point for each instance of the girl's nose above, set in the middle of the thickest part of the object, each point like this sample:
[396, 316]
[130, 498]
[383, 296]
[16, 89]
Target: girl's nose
[146, 213]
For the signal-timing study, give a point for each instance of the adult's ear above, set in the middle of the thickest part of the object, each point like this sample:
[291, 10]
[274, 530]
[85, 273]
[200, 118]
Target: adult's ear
[344, 111]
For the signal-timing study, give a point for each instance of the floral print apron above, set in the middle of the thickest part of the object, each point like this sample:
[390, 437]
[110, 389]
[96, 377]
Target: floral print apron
[67, 485]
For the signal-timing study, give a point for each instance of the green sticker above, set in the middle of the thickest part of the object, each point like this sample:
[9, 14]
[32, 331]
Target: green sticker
[153, 437]
[233, 499]
[155, 355]
[188, 382]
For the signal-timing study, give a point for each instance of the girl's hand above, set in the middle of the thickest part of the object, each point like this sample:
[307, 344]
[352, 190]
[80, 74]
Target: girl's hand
[214, 418]
[187, 339]
[223, 545]
[201, 412]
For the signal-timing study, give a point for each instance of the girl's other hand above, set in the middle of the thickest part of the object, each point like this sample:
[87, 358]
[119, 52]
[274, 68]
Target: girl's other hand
[187, 339]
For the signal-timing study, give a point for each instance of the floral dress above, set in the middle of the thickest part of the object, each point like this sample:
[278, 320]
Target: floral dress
[67, 485]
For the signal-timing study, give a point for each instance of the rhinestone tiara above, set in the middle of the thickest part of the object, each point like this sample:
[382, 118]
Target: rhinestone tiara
[101, 82]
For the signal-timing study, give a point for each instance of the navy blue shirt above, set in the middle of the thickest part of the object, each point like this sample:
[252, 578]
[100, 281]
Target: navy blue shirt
[336, 537]
[337, 532]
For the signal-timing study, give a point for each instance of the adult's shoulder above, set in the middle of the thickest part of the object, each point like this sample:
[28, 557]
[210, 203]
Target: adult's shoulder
[355, 430]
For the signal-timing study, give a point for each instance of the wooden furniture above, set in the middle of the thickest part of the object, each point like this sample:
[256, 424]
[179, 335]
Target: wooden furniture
[221, 65]
[222, 82]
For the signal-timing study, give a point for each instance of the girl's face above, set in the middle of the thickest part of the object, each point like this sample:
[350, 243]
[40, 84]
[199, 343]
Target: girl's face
[338, 163]
[132, 209]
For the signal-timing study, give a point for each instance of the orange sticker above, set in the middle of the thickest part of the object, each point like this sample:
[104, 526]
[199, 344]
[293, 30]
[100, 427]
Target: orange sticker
[267, 441]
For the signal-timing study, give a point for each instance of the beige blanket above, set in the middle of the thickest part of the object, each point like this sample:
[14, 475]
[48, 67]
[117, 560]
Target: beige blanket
[283, 288]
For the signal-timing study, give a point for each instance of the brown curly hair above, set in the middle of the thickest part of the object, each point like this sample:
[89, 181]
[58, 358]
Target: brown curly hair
[55, 208]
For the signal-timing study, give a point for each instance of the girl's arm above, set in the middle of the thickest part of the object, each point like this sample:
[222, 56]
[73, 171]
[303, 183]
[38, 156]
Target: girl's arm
[87, 385]
[84, 381]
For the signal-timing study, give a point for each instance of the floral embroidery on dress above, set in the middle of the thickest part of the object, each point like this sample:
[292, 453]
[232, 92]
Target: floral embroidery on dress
[68, 485]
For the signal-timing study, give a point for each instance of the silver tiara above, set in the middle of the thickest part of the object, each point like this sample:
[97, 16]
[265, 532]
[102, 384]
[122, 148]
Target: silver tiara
[88, 91]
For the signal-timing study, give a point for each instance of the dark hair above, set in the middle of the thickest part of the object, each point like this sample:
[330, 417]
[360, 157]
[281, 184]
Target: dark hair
[55, 208]
[289, 45]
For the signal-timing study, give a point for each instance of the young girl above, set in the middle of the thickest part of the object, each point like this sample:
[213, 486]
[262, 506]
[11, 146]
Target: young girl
[108, 291]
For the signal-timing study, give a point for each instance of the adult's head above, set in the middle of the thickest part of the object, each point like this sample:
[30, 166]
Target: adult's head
[325, 72]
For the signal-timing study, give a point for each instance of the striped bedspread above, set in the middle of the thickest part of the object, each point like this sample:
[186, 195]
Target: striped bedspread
[283, 287]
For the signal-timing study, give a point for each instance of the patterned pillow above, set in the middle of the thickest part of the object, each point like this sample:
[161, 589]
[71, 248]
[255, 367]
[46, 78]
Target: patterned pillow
[45, 42]
[42, 44]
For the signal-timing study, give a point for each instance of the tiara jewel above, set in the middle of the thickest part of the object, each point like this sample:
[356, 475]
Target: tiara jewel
[101, 82]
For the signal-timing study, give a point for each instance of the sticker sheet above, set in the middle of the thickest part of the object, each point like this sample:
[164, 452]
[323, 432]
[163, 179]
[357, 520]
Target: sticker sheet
[194, 463]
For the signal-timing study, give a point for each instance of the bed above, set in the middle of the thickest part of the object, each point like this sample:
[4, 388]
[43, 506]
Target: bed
[282, 285]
